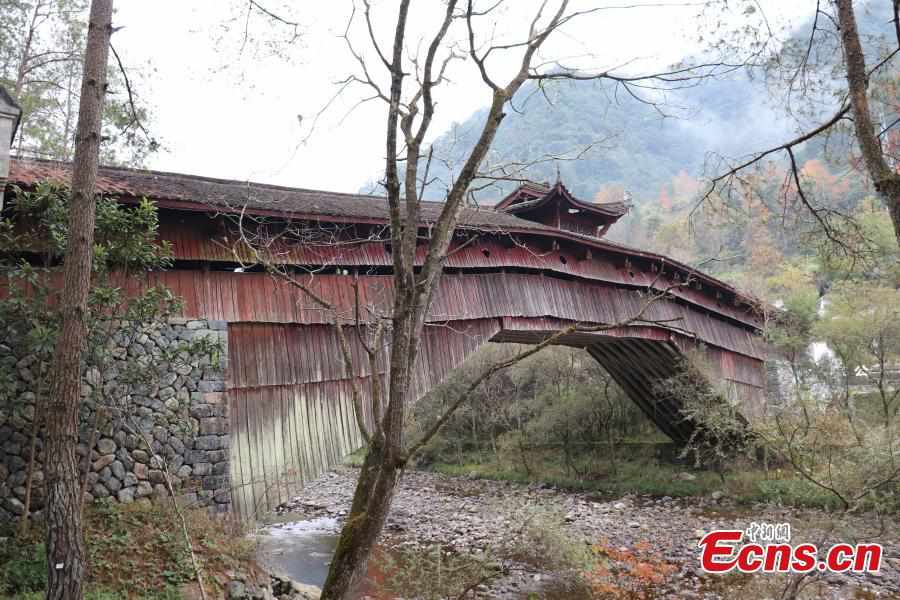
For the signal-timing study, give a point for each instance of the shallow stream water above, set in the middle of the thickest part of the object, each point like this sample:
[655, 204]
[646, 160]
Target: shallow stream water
[301, 550]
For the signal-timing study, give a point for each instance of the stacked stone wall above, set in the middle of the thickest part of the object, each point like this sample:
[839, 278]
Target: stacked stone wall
[167, 424]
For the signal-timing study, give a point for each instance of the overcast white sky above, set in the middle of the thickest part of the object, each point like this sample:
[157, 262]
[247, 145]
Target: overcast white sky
[231, 114]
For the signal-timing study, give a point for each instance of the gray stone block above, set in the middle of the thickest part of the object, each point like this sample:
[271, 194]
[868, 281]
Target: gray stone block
[126, 495]
[211, 386]
[211, 442]
[215, 482]
[143, 490]
[213, 426]
[106, 446]
[14, 506]
[103, 462]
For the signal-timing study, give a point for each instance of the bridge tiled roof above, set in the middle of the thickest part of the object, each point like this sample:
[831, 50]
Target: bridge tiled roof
[177, 191]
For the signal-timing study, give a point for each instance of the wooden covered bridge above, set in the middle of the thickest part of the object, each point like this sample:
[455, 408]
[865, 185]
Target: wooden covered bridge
[516, 273]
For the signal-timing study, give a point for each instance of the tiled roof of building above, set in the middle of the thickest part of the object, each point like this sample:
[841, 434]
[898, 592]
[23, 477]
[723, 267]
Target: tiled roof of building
[194, 192]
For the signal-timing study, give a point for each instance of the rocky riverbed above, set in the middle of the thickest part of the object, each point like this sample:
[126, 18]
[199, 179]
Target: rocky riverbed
[497, 521]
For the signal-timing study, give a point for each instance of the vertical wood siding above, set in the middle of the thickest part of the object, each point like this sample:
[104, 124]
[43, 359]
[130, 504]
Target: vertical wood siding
[292, 406]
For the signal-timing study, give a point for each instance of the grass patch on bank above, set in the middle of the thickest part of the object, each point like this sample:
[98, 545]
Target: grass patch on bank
[135, 551]
[628, 478]
[745, 483]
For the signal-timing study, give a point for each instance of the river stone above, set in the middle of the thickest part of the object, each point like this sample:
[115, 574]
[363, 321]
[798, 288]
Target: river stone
[168, 379]
[184, 369]
[140, 470]
[119, 437]
[161, 434]
[103, 462]
[93, 377]
[143, 490]
[124, 458]
[176, 462]
[14, 506]
[106, 446]
[177, 444]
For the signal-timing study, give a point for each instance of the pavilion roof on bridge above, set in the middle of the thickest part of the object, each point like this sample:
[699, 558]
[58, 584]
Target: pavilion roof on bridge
[557, 207]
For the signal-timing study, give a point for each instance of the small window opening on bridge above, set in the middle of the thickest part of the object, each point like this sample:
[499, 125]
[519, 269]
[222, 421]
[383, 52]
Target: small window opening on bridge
[388, 248]
[574, 211]
[631, 274]
[563, 259]
[486, 252]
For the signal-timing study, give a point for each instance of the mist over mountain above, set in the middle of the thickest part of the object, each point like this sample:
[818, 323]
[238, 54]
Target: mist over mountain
[624, 144]
[620, 140]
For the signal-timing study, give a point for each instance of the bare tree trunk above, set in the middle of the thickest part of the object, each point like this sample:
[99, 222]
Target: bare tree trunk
[885, 179]
[413, 285]
[371, 502]
[66, 557]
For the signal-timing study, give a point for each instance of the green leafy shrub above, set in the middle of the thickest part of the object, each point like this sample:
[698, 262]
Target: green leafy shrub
[23, 569]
